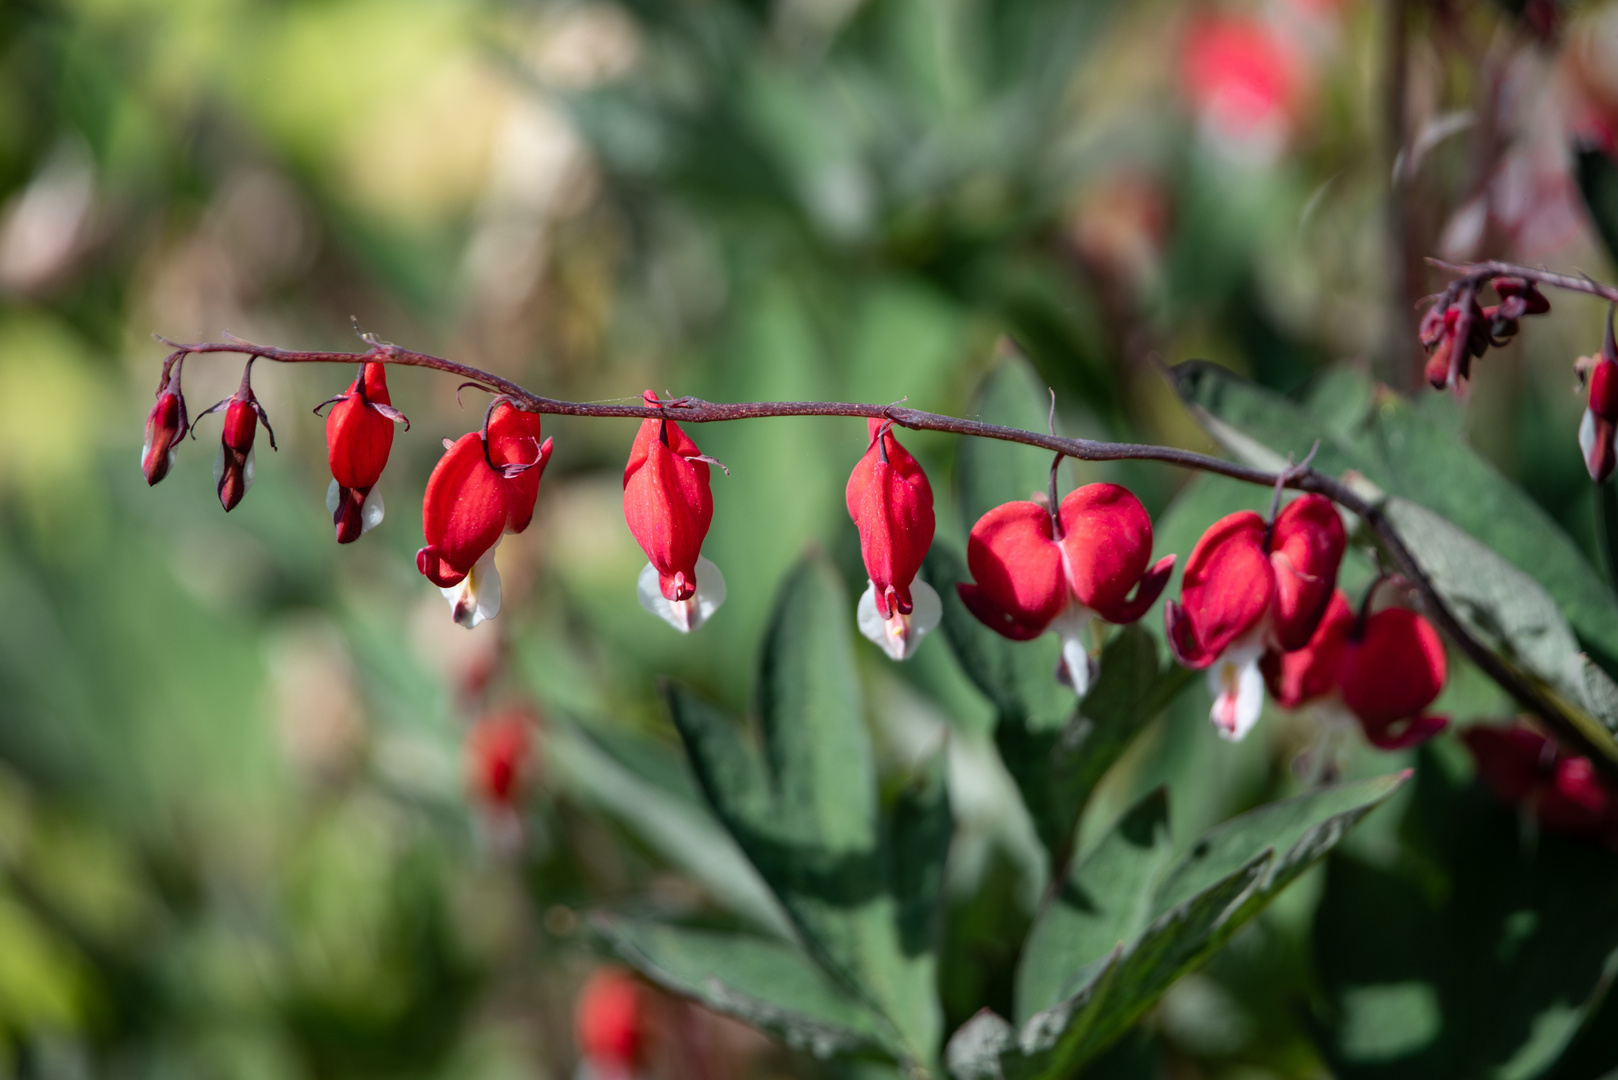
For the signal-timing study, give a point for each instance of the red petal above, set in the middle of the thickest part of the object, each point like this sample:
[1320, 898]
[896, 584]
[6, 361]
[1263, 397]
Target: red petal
[995, 617]
[892, 505]
[1402, 735]
[668, 504]
[1395, 670]
[1604, 390]
[1514, 761]
[1018, 569]
[433, 567]
[358, 438]
[1107, 537]
[514, 440]
[1311, 672]
[1577, 801]
[464, 511]
[241, 424]
[1226, 591]
[1306, 547]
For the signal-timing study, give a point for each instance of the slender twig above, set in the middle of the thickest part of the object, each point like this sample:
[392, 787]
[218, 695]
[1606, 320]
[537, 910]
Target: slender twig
[688, 410]
[1478, 273]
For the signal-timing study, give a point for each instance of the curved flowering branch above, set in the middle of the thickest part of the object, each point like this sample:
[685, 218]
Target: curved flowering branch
[689, 410]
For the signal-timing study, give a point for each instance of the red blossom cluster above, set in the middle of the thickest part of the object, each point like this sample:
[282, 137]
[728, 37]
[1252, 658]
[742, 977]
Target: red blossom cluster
[1456, 329]
[1257, 592]
[1563, 792]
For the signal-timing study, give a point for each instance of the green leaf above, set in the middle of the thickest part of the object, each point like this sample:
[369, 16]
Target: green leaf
[768, 984]
[1404, 451]
[801, 801]
[1598, 180]
[682, 831]
[1300, 830]
[1486, 956]
[1606, 500]
[1223, 882]
[1508, 613]
[1105, 901]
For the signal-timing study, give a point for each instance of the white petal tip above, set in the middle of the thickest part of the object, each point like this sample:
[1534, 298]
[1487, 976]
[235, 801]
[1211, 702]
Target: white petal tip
[371, 510]
[477, 597]
[900, 635]
[684, 615]
[1238, 692]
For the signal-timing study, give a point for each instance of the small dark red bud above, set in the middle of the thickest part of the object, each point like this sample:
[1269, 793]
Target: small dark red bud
[234, 472]
[1519, 297]
[165, 425]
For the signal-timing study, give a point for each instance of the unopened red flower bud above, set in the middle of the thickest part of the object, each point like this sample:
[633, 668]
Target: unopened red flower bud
[480, 489]
[165, 427]
[233, 468]
[668, 506]
[359, 434]
[1035, 572]
[891, 503]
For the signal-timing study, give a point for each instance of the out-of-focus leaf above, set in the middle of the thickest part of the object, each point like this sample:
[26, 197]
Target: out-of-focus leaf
[768, 984]
[802, 804]
[1226, 878]
[1406, 453]
[681, 831]
[1606, 497]
[989, 472]
[1485, 958]
[1598, 180]
[1105, 901]
[1508, 612]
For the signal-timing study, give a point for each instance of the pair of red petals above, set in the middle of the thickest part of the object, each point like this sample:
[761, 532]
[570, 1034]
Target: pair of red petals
[1564, 792]
[1245, 579]
[359, 436]
[891, 503]
[480, 490]
[1026, 577]
[1386, 672]
[668, 504]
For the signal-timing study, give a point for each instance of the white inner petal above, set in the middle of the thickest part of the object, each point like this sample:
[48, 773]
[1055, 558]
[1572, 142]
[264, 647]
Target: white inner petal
[477, 596]
[1237, 689]
[1080, 667]
[1587, 440]
[334, 494]
[684, 615]
[371, 510]
[900, 635]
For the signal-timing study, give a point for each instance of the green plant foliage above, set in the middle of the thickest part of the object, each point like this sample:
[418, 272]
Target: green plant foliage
[1493, 949]
[1175, 918]
[802, 803]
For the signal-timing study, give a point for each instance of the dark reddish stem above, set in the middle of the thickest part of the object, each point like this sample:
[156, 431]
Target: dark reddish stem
[688, 410]
[1475, 275]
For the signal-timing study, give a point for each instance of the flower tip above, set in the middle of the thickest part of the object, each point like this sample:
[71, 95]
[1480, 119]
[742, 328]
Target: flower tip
[899, 633]
[687, 615]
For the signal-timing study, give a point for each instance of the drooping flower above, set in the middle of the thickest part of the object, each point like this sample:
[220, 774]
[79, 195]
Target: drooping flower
[1249, 587]
[668, 507]
[166, 425]
[1036, 571]
[1382, 669]
[1596, 431]
[1449, 361]
[1563, 791]
[484, 486]
[611, 1023]
[499, 756]
[1393, 668]
[359, 434]
[892, 505]
[233, 468]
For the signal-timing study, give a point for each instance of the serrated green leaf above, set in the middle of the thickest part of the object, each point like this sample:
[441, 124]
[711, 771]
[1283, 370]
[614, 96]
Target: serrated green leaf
[1105, 901]
[802, 804]
[769, 984]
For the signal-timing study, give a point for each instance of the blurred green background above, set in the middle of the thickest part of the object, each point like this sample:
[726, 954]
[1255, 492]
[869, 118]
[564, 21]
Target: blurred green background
[235, 833]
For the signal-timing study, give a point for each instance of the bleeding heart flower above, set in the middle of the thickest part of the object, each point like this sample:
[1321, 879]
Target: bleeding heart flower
[1393, 667]
[611, 1023]
[233, 468]
[1564, 792]
[499, 758]
[1249, 587]
[485, 485]
[1601, 415]
[1036, 571]
[892, 504]
[1309, 674]
[166, 425]
[668, 506]
[359, 434]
